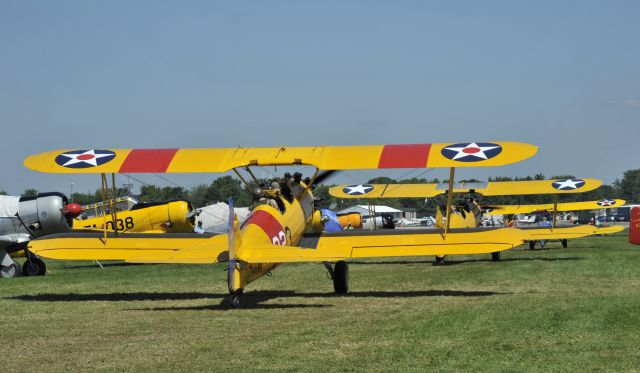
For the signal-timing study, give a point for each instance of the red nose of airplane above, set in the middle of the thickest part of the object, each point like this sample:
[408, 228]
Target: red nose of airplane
[72, 209]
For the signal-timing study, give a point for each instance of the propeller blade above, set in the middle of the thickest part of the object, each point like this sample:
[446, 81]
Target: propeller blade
[322, 175]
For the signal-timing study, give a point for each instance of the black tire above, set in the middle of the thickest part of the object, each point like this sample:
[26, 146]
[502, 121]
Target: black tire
[439, 260]
[565, 243]
[34, 267]
[341, 277]
[235, 301]
[10, 271]
[532, 245]
[495, 256]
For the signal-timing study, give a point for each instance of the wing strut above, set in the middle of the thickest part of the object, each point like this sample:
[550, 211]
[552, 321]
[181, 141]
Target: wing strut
[452, 175]
[555, 211]
[111, 196]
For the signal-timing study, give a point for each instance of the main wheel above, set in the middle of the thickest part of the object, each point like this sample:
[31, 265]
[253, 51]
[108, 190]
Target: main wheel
[439, 260]
[565, 243]
[34, 267]
[10, 271]
[532, 245]
[235, 301]
[341, 277]
[495, 256]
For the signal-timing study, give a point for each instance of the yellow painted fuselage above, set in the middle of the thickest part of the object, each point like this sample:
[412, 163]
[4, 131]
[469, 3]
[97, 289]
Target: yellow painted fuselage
[169, 217]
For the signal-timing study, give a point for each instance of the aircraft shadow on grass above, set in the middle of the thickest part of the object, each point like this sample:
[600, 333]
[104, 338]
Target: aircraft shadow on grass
[254, 299]
[454, 262]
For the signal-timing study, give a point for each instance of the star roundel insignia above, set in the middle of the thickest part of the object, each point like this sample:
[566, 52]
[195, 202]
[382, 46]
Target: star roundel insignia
[356, 190]
[606, 202]
[84, 158]
[471, 152]
[568, 184]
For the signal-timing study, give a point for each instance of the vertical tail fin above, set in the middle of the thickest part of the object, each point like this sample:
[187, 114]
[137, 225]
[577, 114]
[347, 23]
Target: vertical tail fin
[634, 226]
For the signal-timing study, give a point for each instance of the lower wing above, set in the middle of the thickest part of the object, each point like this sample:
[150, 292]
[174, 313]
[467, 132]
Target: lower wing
[134, 248]
[386, 243]
[559, 233]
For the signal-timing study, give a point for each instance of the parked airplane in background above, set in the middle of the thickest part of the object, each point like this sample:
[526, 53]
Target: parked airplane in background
[25, 218]
[176, 216]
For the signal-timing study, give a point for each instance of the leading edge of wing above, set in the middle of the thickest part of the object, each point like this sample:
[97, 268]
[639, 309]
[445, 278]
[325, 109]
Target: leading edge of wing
[323, 157]
[134, 248]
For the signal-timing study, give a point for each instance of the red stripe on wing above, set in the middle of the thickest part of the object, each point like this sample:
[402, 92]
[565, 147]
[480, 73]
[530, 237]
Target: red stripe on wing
[404, 156]
[148, 160]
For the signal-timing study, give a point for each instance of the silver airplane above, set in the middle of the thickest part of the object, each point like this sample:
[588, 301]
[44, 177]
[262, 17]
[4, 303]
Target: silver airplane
[25, 218]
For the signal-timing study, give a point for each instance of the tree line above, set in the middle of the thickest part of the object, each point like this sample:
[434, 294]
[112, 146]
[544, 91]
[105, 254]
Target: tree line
[219, 190]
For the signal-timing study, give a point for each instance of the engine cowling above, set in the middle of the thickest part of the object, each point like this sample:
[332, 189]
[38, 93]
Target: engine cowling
[45, 213]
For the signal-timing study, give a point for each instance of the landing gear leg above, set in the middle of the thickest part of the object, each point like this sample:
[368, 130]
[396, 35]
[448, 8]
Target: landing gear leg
[341, 277]
[329, 268]
[34, 266]
[564, 243]
[439, 260]
[495, 256]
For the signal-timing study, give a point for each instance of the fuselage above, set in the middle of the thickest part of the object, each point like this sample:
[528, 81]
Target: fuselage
[163, 217]
[266, 225]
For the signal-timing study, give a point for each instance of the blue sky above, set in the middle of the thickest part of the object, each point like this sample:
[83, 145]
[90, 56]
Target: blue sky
[86, 74]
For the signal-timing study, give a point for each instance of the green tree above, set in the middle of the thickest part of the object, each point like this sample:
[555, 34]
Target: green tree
[227, 186]
[3, 193]
[629, 186]
[30, 192]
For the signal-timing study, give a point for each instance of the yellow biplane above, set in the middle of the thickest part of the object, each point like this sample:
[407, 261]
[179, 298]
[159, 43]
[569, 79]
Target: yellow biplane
[290, 232]
[553, 209]
[470, 213]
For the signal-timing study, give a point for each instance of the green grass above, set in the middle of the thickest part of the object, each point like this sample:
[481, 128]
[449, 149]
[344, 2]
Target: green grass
[547, 310]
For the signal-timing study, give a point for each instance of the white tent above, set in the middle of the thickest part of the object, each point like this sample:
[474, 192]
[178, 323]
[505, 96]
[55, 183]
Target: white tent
[9, 206]
[215, 217]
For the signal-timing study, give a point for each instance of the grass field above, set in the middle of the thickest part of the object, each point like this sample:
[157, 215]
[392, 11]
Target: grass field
[546, 310]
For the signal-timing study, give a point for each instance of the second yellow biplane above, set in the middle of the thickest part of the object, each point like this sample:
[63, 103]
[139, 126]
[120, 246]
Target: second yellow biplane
[291, 231]
[470, 212]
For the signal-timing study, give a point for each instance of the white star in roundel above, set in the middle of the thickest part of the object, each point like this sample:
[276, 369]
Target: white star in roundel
[473, 150]
[568, 184]
[357, 189]
[606, 202]
[89, 157]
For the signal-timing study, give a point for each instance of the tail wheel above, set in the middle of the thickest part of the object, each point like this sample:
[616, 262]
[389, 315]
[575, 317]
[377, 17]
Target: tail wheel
[495, 256]
[532, 245]
[34, 267]
[341, 277]
[439, 260]
[565, 243]
[10, 271]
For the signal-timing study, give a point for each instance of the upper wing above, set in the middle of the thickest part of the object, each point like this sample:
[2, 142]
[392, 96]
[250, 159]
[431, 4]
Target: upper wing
[549, 207]
[134, 248]
[386, 243]
[493, 188]
[323, 157]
